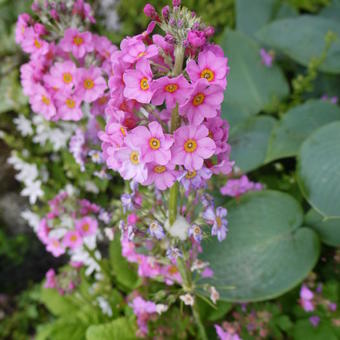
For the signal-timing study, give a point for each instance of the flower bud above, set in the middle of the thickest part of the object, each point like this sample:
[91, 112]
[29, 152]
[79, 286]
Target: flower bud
[165, 12]
[149, 11]
[176, 3]
[196, 38]
[209, 31]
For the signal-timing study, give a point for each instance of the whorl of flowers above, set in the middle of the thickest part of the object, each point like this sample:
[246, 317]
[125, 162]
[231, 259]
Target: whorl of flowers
[68, 66]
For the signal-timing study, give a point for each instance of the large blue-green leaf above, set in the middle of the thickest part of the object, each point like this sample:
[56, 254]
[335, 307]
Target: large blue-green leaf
[329, 230]
[303, 38]
[332, 11]
[252, 87]
[249, 142]
[266, 252]
[262, 12]
[297, 124]
[319, 171]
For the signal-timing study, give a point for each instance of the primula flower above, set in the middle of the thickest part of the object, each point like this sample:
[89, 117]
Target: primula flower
[55, 247]
[210, 67]
[195, 179]
[266, 57]
[72, 239]
[153, 143]
[219, 132]
[188, 299]
[156, 230]
[91, 84]
[238, 187]
[192, 146]
[23, 22]
[314, 320]
[138, 82]
[162, 176]
[41, 102]
[171, 90]
[51, 281]
[196, 232]
[306, 298]
[226, 335]
[204, 102]
[87, 226]
[196, 38]
[131, 165]
[137, 51]
[143, 310]
[219, 227]
[78, 43]
[62, 76]
[33, 44]
[68, 106]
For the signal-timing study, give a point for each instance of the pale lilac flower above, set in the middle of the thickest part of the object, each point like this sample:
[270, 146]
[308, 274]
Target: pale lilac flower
[156, 230]
[162, 176]
[314, 320]
[173, 253]
[267, 58]
[238, 187]
[306, 298]
[188, 299]
[226, 335]
[196, 232]
[219, 227]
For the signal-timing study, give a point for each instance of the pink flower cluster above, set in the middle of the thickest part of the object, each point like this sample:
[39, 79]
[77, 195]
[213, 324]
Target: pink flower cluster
[145, 93]
[237, 187]
[64, 227]
[62, 74]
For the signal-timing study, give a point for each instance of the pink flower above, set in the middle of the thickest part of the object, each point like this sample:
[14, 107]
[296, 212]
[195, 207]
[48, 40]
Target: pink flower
[68, 107]
[55, 247]
[50, 279]
[203, 102]
[219, 132]
[196, 38]
[306, 298]
[87, 226]
[78, 43]
[192, 146]
[42, 102]
[24, 20]
[138, 82]
[238, 187]
[62, 76]
[131, 166]
[154, 145]
[33, 44]
[172, 90]
[226, 335]
[138, 51]
[91, 84]
[210, 67]
[162, 176]
[72, 239]
[267, 58]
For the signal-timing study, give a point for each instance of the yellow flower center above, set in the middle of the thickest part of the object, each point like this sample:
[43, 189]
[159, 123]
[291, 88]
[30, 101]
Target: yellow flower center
[45, 100]
[134, 157]
[67, 78]
[86, 227]
[218, 222]
[190, 145]
[144, 85]
[198, 99]
[77, 40]
[37, 43]
[197, 230]
[172, 270]
[154, 143]
[88, 84]
[191, 174]
[73, 238]
[70, 103]
[208, 74]
[171, 88]
[141, 54]
[123, 131]
[159, 169]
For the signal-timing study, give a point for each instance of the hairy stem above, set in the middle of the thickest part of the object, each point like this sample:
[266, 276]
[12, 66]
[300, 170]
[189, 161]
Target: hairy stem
[201, 330]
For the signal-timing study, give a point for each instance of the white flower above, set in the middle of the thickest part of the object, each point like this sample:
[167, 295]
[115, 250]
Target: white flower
[187, 299]
[214, 294]
[160, 308]
[81, 255]
[23, 125]
[33, 191]
[32, 219]
[91, 187]
[109, 233]
[104, 305]
[179, 228]
[198, 265]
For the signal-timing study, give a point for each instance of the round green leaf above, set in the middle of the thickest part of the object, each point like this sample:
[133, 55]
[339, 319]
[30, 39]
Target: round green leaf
[249, 142]
[266, 252]
[318, 170]
[303, 38]
[329, 230]
[251, 86]
[297, 124]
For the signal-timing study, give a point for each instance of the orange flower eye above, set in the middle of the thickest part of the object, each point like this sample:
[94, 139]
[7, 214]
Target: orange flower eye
[144, 85]
[134, 157]
[70, 103]
[45, 100]
[198, 99]
[208, 74]
[190, 145]
[171, 88]
[159, 169]
[67, 78]
[191, 174]
[77, 40]
[154, 143]
[37, 43]
[88, 84]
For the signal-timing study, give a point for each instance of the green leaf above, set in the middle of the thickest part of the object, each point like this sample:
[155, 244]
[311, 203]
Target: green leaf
[124, 271]
[318, 171]
[304, 330]
[252, 87]
[266, 252]
[249, 142]
[332, 11]
[262, 12]
[119, 329]
[329, 230]
[297, 124]
[303, 38]
[57, 304]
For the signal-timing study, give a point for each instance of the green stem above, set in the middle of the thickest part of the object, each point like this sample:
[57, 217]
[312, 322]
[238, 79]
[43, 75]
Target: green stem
[175, 123]
[201, 329]
[103, 268]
